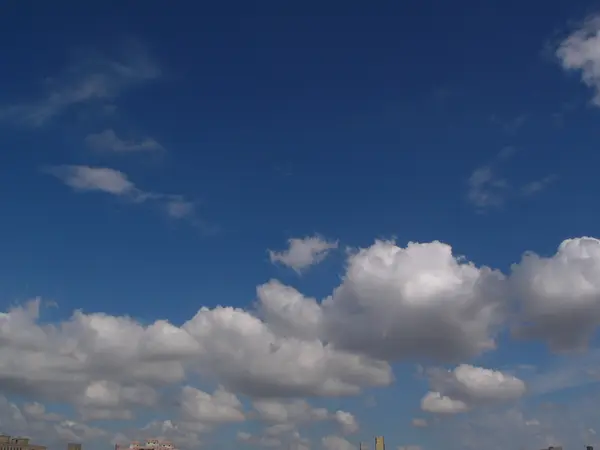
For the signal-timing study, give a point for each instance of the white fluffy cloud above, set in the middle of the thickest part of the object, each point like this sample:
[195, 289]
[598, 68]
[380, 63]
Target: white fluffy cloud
[559, 296]
[220, 407]
[416, 302]
[434, 402]
[48, 428]
[393, 304]
[579, 52]
[468, 386]
[288, 312]
[249, 357]
[347, 421]
[303, 253]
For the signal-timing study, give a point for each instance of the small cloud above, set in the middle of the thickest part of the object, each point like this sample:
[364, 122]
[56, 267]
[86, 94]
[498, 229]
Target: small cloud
[535, 187]
[99, 179]
[419, 423]
[116, 183]
[303, 253]
[486, 189]
[108, 141]
[87, 80]
[579, 53]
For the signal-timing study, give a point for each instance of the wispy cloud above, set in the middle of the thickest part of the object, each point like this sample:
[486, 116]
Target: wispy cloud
[108, 141]
[537, 186]
[512, 125]
[487, 189]
[116, 183]
[87, 80]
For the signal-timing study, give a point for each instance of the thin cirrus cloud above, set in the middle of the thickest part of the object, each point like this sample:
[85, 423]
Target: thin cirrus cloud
[487, 189]
[109, 142]
[116, 183]
[89, 79]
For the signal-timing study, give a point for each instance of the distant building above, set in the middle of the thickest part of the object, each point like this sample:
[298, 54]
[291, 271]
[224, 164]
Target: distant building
[72, 446]
[379, 443]
[150, 444]
[17, 443]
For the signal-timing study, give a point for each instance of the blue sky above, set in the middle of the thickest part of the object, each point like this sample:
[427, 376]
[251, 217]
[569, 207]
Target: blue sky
[162, 159]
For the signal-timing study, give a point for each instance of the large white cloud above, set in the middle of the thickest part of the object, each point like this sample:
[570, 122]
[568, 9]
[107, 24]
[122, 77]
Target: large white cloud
[416, 302]
[248, 357]
[559, 296]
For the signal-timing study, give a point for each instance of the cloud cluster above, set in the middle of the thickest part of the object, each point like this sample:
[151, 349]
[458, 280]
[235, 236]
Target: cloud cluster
[413, 303]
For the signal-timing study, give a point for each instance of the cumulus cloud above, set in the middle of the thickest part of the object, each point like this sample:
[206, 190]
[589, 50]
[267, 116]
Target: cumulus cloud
[468, 386]
[108, 141]
[250, 358]
[46, 428]
[284, 417]
[89, 79]
[579, 53]
[437, 403]
[420, 301]
[114, 182]
[220, 407]
[413, 303]
[303, 253]
[559, 296]
[347, 421]
[288, 312]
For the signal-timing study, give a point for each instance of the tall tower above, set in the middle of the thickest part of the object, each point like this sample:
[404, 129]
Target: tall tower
[379, 443]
